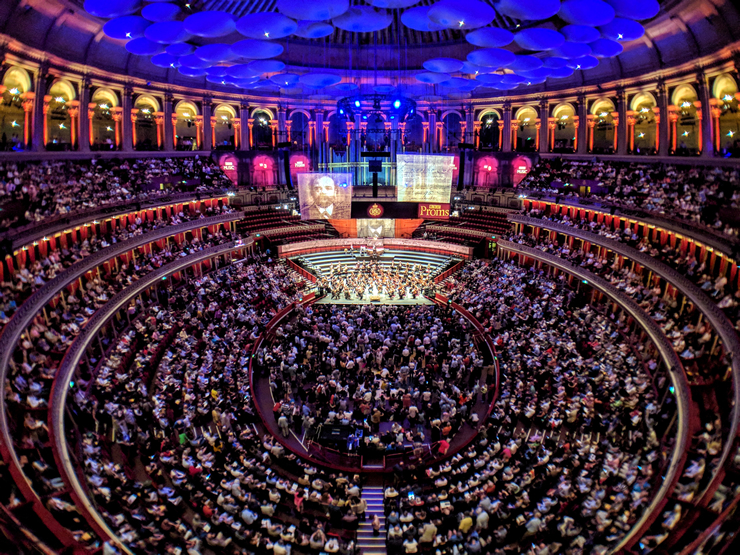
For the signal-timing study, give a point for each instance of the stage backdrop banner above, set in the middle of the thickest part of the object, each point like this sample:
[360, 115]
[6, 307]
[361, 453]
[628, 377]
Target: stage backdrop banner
[325, 196]
[430, 211]
[424, 177]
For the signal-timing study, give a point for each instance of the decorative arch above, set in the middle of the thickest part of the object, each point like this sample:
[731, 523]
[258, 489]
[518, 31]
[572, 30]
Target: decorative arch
[523, 111]
[265, 110]
[683, 93]
[448, 112]
[329, 114]
[18, 78]
[105, 96]
[724, 85]
[183, 105]
[563, 109]
[643, 97]
[487, 111]
[227, 108]
[62, 87]
[603, 105]
[300, 111]
[146, 100]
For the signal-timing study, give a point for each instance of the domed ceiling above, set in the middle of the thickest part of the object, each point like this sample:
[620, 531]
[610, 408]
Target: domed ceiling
[443, 47]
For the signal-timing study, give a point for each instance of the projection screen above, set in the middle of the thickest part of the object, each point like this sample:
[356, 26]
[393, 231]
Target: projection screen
[325, 196]
[424, 177]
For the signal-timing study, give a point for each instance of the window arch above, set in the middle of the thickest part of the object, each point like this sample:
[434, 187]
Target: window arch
[683, 121]
[489, 133]
[186, 128]
[526, 134]
[645, 133]
[146, 124]
[452, 125]
[726, 98]
[604, 129]
[223, 131]
[261, 129]
[58, 120]
[565, 132]
[413, 137]
[16, 86]
[299, 129]
[102, 124]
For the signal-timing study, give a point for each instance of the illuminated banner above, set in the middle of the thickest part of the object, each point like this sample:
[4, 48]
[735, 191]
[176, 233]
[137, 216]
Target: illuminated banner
[424, 177]
[229, 164]
[430, 211]
[325, 195]
[382, 227]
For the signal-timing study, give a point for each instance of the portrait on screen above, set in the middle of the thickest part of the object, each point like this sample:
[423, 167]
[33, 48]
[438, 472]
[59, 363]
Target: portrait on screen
[325, 196]
[424, 177]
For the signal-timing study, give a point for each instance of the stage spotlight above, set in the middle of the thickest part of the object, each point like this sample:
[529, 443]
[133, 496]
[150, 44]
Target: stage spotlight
[397, 104]
[357, 103]
[343, 185]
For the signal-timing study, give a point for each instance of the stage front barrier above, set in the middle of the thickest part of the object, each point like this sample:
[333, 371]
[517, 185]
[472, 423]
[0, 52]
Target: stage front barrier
[418, 245]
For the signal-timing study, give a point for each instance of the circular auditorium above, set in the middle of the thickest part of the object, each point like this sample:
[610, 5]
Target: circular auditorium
[367, 277]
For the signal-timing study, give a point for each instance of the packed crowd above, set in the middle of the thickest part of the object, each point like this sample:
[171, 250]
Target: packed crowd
[717, 287]
[571, 454]
[400, 377]
[692, 338]
[58, 187]
[706, 195]
[367, 279]
[22, 284]
[193, 473]
[35, 359]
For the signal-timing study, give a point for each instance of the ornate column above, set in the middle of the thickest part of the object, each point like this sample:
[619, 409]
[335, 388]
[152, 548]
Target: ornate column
[159, 121]
[90, 118]
[577, 131]
[476, 134]
[581, 124]
[85, 137]
[311, 133]
[506, 144]
[591, 122]
[237, 124]
[325, 131]
[538, 127]
[319, 116]
[28, 105]
[170, 122]
[199, 132]
[174, 131]
[552, 124]
[425, 126]
[543, 129]
[128, 139]
[213, 131]
[621, 128]
[630, 131]
[500, 125]
[134, 117]
[274, 128]
[250, 126]
[207, 143]
[706, 147]
[282, 132]
[45, 119]
[74, 122]
[673, 127]
[432, 131]
[661, 121]
[350, 128]
[716, 113]
[117, 113]
[469, 130]
[439, 139]
[616, 123]
[40, 108]
[514, 132]
[245, 128]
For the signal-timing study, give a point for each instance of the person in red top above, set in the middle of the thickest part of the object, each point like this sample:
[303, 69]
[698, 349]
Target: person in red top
[444, 445]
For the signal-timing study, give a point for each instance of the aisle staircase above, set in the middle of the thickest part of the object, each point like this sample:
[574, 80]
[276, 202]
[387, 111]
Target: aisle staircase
[370, 544]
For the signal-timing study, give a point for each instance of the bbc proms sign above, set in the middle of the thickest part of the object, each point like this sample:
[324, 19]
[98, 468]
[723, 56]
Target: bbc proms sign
[434, 211]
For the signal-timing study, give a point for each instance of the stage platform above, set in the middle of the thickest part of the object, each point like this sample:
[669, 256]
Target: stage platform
[383, 300]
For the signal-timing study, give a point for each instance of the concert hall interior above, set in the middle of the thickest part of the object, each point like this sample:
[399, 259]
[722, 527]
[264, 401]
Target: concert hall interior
[368, 277]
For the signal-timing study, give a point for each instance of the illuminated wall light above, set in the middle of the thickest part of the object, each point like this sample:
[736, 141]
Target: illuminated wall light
[14, 123]
[685, 104]
[727, 98]
[62, 126]
[14, 91]
[60, 99]
[109, 128]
